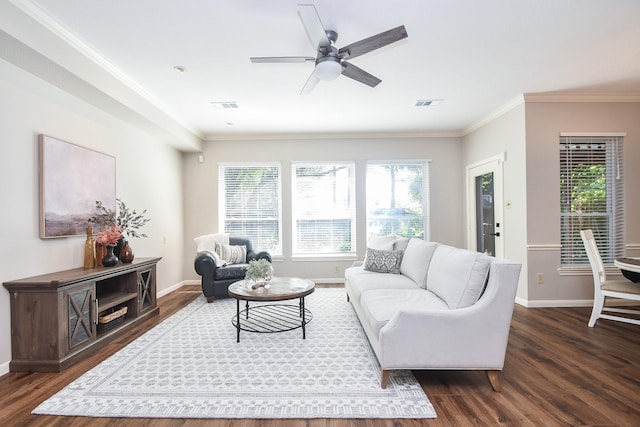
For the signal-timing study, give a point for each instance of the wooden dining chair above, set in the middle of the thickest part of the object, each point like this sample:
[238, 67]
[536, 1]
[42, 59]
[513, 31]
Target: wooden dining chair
[604, 288]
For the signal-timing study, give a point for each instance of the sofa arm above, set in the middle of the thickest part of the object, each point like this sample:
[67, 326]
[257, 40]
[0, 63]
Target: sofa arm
[253, 256]
[473, 337]
[205, 264]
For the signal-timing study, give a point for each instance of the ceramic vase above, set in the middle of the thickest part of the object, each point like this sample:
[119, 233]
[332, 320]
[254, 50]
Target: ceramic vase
[126, 254]
[101, 251]
[109, 259]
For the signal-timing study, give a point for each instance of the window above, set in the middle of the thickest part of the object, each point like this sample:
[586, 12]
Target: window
[397, 197]
[250, 203]
[591, 197]
[323, 208]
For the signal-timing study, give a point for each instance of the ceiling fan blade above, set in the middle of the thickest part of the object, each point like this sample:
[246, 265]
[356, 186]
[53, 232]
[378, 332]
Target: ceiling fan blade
[313, 26]
[358, 74]
[281, 59]
[372, 43]
[312, 81]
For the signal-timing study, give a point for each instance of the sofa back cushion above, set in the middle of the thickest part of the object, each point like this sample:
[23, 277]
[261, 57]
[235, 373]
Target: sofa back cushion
[458, 276]
[416, 259]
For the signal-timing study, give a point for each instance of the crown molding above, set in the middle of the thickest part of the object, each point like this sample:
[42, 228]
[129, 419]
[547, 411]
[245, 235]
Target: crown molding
[505, 108]
[317, 136]
[581, 97]
[41, 17]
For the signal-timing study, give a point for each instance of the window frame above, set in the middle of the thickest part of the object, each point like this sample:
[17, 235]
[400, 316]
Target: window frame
[611, 238]
[425, 203]
[275, 250]
[297, 252]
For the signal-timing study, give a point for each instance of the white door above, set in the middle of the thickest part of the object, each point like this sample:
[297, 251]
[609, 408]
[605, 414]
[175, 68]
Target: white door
[485, 230]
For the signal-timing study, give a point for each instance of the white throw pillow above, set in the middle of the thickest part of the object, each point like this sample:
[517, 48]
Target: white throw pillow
[416, 260]
[382, 243]
[401, 243]
[458, 276]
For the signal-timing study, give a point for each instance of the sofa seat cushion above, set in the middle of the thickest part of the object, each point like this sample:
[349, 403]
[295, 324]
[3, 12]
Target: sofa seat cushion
[458, 276]
[379, 306]
[231, 271]
[360, 280]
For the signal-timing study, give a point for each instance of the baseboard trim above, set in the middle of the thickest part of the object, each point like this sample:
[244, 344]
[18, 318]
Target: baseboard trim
[175, 287]
[554, 303]
[333, 280]
[4, 368]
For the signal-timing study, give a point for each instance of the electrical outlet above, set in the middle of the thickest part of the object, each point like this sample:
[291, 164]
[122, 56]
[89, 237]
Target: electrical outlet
[336, 269]
[540, 278]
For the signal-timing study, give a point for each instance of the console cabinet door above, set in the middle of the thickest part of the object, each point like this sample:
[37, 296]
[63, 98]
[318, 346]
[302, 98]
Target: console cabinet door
[81, 304]
[146, 289]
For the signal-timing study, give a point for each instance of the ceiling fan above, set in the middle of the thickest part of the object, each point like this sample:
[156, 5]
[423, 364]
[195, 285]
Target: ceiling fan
[330, 62]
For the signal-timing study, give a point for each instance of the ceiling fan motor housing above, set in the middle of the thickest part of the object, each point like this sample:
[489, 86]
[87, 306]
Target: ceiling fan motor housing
[328, 65]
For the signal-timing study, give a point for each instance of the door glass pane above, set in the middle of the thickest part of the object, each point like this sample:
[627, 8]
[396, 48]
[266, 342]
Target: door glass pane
[79, 317]
[485, 217]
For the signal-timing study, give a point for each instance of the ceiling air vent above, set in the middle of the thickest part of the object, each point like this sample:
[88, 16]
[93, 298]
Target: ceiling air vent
[225, 104]
[427, 102]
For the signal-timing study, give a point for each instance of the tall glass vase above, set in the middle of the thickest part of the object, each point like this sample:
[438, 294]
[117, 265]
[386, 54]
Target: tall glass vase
[89, 250]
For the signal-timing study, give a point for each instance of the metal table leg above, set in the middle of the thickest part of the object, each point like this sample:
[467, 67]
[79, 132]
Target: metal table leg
[304, 319]
[238, 320]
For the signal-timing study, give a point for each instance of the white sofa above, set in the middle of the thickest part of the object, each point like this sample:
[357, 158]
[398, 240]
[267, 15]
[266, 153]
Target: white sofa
[440, 308]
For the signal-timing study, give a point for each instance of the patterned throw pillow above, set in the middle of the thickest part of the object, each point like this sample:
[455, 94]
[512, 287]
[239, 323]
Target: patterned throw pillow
[232, 254]
[383, 261]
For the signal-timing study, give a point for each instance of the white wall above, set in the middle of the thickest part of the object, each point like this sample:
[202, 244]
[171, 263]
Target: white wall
[148, 177]
[545, 121]
[506, 134]
[201, 188]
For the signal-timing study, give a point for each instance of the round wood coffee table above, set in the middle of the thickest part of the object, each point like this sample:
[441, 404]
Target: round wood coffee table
[270, 318]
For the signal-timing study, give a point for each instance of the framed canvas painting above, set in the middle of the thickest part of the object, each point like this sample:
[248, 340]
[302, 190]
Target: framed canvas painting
[72, 179]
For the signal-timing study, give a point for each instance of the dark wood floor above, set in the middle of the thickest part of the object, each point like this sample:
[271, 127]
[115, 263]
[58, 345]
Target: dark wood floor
[558, 372]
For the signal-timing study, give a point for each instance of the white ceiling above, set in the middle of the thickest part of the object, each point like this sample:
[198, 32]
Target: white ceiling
[476, 55]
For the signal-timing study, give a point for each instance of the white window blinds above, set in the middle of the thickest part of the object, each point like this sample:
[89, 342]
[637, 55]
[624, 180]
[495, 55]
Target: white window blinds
[323, 208]
[250, 203]
[591, 197]
[397, 198]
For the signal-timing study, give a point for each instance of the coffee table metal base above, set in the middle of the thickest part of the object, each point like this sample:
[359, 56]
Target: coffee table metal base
[271, 318]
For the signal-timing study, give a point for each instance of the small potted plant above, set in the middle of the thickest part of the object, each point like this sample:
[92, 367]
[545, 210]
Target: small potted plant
[259, 273]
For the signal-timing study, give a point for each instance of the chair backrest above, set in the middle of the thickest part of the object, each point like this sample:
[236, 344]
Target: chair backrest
[597, 267]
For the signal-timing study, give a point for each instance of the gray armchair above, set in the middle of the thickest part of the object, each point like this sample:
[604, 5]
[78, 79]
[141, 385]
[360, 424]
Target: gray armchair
[216, 279]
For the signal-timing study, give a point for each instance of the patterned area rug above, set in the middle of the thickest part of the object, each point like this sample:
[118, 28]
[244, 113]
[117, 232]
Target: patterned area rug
[190, 366]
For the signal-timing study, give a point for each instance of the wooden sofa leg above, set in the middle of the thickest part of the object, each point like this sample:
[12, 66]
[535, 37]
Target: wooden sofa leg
[494, 379]
[210, 299]
[386, 373]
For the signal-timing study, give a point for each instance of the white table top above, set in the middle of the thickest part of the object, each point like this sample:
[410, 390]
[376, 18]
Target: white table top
[629, 264]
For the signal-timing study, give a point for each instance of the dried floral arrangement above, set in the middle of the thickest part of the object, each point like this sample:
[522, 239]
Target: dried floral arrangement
[109, 235]
[129, 221]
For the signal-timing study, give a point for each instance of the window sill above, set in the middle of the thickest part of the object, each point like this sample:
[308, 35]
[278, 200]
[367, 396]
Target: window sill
[586, 270]
[324, 257]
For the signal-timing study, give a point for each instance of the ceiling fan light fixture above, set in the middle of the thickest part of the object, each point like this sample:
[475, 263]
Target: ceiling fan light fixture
[328, 70]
